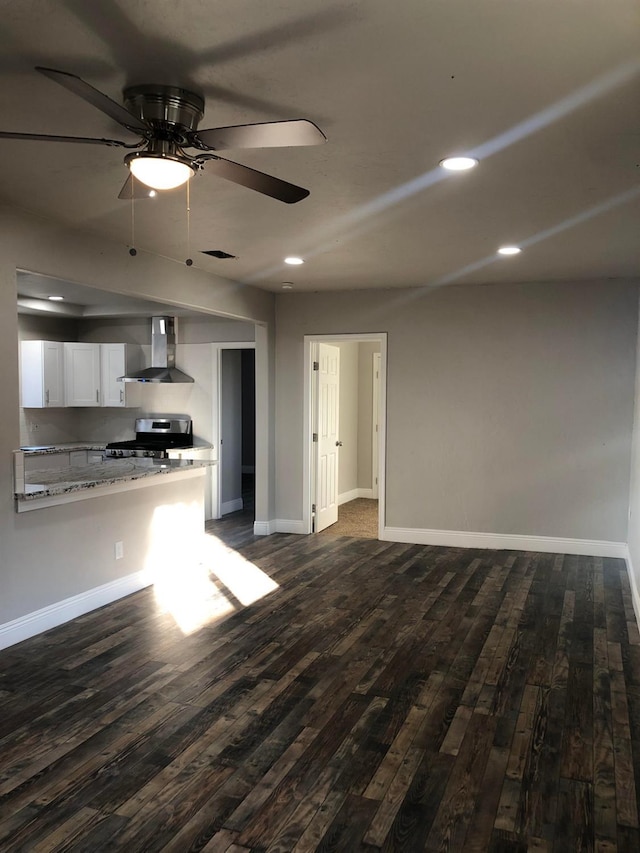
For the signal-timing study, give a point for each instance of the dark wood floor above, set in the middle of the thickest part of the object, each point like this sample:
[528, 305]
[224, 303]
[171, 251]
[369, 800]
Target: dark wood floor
[384, 697]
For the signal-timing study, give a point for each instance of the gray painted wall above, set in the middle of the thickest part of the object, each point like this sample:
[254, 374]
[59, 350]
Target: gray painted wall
[509, 407]
[69, 549]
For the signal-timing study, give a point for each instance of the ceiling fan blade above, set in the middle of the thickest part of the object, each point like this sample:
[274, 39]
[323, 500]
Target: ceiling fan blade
[268, 134]
[86, 140]
[136, 190]
[254, 180]
[96, 98]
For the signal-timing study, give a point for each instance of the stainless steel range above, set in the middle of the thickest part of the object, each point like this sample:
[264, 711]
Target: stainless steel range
[155, 437]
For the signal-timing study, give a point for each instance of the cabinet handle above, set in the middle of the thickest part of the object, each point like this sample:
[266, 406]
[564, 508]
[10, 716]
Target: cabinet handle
[97, 395]
[46, 397]
[121, 396]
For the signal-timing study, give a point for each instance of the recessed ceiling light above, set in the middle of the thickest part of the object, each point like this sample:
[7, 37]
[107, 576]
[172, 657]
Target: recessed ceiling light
[287, 285]
[56, 298]
[458, 164]
[293, 261]
[152, 193]
[509, 250]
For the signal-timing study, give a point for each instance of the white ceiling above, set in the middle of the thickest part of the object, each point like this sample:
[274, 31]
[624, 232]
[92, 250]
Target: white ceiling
[545, 92]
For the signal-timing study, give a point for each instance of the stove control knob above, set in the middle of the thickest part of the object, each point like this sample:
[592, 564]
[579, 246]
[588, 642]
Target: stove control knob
[148, 453]
[120, 452]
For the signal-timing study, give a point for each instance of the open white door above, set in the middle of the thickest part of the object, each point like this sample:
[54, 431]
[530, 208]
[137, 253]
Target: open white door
[328, 443]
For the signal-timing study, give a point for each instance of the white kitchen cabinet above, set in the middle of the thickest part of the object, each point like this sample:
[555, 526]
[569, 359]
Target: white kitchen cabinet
[41, 374]
[81, 374]
[113, 364]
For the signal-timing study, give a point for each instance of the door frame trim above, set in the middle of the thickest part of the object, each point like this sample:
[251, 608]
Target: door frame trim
[308, 478]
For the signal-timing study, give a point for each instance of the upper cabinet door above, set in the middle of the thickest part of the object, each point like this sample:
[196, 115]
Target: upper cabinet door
[82, 374]
[53, 362]
[41, 374]
[113, 365]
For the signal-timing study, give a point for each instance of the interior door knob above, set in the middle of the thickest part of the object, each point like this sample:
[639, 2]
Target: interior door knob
[338, 444]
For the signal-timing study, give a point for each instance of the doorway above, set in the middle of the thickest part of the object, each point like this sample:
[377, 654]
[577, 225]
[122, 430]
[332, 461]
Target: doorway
[234, 429]
[344, 433]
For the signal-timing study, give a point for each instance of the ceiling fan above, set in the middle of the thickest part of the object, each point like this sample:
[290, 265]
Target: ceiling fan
[166, 118]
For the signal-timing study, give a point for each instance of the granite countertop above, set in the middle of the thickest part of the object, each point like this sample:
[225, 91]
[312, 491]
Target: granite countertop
[62, 481]
[42, 449]
[45, 449]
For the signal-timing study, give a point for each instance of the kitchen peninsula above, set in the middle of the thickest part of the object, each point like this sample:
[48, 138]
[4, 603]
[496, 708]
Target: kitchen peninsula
[50, 476]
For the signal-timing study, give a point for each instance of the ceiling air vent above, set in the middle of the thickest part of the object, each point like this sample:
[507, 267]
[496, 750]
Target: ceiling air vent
[217, 253]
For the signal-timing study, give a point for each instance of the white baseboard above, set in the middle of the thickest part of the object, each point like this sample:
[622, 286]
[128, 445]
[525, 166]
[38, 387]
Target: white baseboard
[278, 525]
[231, 506]
[70, 608]
[500, 541]
[635, 594]
[288, 525]
[345, 497]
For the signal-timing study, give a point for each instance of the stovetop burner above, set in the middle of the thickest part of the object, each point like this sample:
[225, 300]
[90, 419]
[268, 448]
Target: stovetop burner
[154, 438]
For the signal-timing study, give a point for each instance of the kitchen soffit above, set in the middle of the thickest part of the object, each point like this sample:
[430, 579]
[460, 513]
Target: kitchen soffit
[88, 302]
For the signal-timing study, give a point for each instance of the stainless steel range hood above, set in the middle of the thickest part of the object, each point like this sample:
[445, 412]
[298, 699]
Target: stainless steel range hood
[163, 355]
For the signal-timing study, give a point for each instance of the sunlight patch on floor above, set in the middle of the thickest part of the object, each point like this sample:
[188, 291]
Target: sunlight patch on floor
[190, 597]
[246, 581]
[187, 567]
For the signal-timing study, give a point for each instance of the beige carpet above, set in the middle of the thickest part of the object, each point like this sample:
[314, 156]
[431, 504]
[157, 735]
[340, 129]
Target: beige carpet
[357, 518]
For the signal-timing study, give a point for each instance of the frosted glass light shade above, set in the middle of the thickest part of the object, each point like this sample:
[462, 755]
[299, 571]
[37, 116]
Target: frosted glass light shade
[160, 173]
[458, 164]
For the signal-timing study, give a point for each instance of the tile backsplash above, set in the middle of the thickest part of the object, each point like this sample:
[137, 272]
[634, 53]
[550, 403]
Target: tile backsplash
[59, 426]
[48, 426]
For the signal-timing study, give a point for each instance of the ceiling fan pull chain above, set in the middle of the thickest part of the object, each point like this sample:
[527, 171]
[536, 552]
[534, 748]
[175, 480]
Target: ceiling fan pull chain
[132, 250]
[188, 262]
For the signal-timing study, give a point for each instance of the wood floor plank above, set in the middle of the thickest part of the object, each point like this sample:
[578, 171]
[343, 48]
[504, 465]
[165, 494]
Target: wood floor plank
[482, 820]
[458, 802]
[393, 797]
[312, 836]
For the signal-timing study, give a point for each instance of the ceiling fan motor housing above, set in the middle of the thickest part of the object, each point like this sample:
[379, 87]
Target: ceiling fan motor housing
[168, 108]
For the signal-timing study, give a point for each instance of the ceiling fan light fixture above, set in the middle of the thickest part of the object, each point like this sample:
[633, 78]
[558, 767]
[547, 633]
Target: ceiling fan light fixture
[160, 169]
